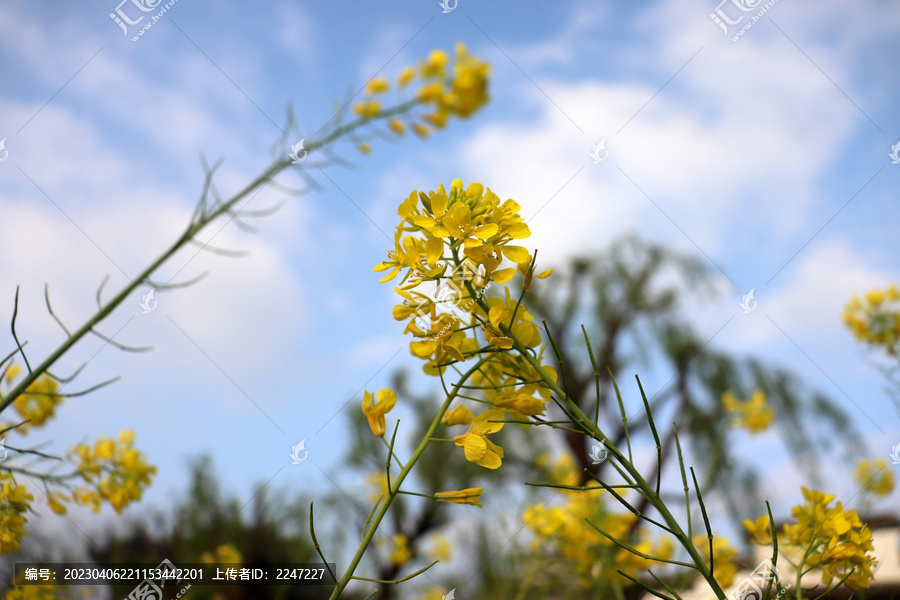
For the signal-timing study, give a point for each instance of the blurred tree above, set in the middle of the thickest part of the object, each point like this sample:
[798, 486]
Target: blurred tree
[630, 298]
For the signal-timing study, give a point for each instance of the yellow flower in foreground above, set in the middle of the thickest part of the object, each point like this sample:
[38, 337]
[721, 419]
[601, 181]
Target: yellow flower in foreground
[755, 414]
[376, 407]
[479, 449]
[458, 416]
[466, 496]
[874, 476]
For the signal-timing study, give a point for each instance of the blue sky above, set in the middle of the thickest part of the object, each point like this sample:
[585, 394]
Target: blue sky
[768, 155]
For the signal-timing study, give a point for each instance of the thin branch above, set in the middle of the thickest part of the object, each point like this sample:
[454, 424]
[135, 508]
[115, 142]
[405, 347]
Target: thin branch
[162, 287]
[13, 327]
[312, 532]
[100, 292]
[122, 347]
[50, 310]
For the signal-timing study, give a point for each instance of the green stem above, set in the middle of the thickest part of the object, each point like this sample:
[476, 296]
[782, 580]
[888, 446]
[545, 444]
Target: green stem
[398, 481]
[592, 429]
[189, 234]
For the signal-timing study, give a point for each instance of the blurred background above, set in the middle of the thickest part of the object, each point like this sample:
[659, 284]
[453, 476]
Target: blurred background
[759, 164]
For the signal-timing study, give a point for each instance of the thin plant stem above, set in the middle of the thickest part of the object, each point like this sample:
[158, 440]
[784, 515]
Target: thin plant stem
[398, 481]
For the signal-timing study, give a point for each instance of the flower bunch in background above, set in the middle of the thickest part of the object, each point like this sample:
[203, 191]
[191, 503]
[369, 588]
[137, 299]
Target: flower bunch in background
[447, 88]
[824, 537]
[755, 415]
[567, 535]
[114, 472]
[874, 319]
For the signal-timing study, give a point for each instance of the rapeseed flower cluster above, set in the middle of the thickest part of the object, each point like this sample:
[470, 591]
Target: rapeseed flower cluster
[755, 414]
[115, 472]
[875, 318]
[566, 531]
[14, 500]
[464, 240]
[448, 88]
[824, 537]
[874, 476]
[38, 402]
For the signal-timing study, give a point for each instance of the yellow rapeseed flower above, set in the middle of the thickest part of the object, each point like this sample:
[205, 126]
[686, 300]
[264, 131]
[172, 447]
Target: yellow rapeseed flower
[760, 530]
[874, 476]
[466, 496]
[14, 503]
[400, 554]
[724, 568]
[457, 416]
[378, 85]
[115, 472]
[375, 407]
[38, 402]
[828, 538]
[367, 109]
[875, 318]
[755, 414]
[406, 76]
[478, 448]
[397, 126]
